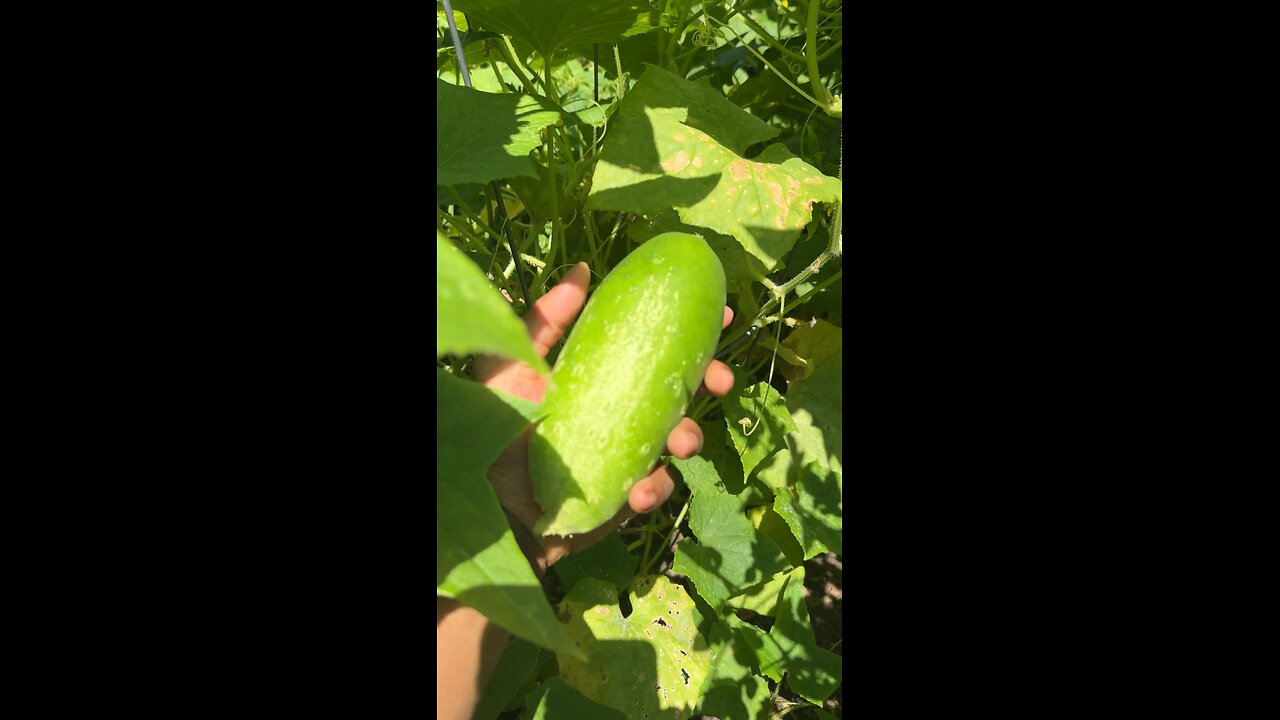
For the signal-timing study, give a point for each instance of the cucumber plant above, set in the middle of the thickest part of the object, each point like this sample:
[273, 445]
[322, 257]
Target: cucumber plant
[697, 142]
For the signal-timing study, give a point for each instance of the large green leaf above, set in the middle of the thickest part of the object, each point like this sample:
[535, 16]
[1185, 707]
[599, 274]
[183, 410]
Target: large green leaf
[760, 411]
[485, 136]
[606, 560]
[679, 144]
[470, 314]
[555, 700]
[732, 690]
[763, 598]
[477, 558]
[651, 663]
[729, 554]
[554, 25]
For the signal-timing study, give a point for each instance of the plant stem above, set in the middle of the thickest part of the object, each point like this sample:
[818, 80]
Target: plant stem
[622, 84]
[811, 54]
[662, 548]
[773, 42]
[508, 52]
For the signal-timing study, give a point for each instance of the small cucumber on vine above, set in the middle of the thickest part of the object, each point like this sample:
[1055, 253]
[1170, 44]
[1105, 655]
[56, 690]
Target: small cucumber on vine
[624, 379]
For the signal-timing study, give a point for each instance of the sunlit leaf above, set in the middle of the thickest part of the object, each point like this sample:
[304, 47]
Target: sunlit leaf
[728, 555]
[486, 136]
[679, 144]
[477, 559]
[471, 316]
[757, 421]
[651, 663]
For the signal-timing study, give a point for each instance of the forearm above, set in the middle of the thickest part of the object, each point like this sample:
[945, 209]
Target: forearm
[468, 646]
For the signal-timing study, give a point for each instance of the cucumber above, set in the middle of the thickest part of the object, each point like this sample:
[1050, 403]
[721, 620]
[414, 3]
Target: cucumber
[624, 379]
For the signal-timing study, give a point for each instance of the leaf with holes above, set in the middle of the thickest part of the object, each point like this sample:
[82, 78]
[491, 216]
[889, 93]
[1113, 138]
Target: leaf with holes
[679, 144]
[485, 136]
[651, 663]
[728, 555]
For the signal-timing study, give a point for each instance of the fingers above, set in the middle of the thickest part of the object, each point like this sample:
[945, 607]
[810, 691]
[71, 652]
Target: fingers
[728, 317]
[685, 440]
[552, 313]
[718, 379]
[649, 494]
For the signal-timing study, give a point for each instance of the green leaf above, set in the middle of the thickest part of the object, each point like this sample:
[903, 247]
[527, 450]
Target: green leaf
[514, 669]
[477, 558]
[651, 663]
[767, 521]
[768, 657]
[814, 673]
[729, 554]
[471, 315]
[555, 700]
[763, 598]
[485, 136]
[814, 511]
[766, 418]
[812, 344]
[716, 449]
[606, 560]
[679, 144]
[554, 25]
[732, 690]
[816, 405]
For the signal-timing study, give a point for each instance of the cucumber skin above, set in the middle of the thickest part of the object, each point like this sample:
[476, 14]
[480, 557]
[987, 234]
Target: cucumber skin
[624, 379]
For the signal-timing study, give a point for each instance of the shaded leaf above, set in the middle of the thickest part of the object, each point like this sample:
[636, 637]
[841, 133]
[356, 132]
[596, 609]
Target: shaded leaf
[514, 669]
[606, 560]
[759, 410]
[766, 520]
[486, 136]
[732, 690]
[729, 555]
[768, 657]
[678, 144]
[471, 316]
[812, 344]
[477, 559]
[555, 700]
[554, 25]
[814, 511]
[651, 663]
[763, 598]
[814, 673]
[716, 449]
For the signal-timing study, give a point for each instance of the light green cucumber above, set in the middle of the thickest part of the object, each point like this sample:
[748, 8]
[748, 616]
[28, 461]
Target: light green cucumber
[624, 379]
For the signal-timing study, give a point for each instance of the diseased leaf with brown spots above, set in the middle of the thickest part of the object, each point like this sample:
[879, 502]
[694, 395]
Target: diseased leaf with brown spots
[651, 664]
[679, 144]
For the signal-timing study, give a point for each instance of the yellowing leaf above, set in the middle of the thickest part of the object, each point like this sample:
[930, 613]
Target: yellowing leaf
[650, 664]
[678, 144]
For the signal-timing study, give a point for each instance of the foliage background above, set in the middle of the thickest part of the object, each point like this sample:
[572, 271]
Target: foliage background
[599, 124]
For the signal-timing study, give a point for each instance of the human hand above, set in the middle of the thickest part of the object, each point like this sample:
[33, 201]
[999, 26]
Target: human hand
[509, 474]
